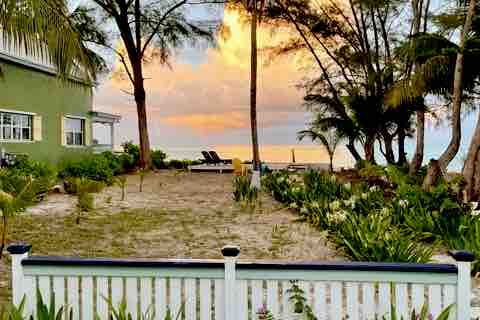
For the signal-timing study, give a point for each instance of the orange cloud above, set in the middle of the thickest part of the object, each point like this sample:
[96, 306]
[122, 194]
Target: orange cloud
[210, 123]
[211, 94]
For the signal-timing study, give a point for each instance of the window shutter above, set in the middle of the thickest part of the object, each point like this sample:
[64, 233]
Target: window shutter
[37, 128]
[63, 139]
[88, 132]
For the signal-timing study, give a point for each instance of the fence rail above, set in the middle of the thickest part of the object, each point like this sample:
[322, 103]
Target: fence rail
[235, 290]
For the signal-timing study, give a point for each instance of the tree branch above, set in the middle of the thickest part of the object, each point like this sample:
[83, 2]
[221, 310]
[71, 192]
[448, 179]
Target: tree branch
[155, 30]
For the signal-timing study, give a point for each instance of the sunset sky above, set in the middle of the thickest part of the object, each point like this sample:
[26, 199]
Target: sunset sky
[203, 99]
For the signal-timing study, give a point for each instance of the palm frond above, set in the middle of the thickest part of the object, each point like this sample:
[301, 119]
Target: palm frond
[42, 29]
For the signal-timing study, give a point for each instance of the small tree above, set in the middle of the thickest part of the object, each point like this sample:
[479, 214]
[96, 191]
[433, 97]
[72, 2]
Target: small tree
[11, 203]
[122, 183]
[329, 139]
[147, 29]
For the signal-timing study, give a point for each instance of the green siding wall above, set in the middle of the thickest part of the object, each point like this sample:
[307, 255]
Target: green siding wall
[28, 90]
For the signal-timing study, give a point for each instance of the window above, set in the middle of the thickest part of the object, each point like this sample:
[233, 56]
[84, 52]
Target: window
[74, 132]
[15, 127]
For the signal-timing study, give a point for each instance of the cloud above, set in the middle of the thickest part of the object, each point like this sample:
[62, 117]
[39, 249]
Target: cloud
[211, 96]
[210, 123]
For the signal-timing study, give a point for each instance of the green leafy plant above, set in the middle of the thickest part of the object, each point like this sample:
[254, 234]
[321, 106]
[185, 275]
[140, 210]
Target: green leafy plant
[372, 238]
[120, 312]
[92, 166]
[45, 312]
[299, 302]
[158, 159]
[423, 315]
[242, 190]
[122, 183]
[141, 174]
[133, 150]
[264, 314]
[16, 201]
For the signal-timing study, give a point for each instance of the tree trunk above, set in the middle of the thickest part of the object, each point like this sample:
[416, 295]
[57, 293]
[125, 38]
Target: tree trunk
[331, 162]
[389, 154]
[417, 159]
[402, 157]
[454, 144]
[433, 173]
[369, 149]
[253, 90]
[353, 151]
[471, 168]
[140, 100]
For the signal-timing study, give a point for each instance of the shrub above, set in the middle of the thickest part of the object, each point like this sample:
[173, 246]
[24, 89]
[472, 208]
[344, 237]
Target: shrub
[242, 191]
[127, 163]
[372, 238]
[82, 185]
[132, 149]
[121, 181]
[113, 162]
[85, 202]
[93, 166]
[25, 167]
[158, 159]
[177, 164]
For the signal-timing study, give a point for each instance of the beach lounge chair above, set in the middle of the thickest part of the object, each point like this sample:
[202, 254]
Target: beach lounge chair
[217, 159]
[208, 158]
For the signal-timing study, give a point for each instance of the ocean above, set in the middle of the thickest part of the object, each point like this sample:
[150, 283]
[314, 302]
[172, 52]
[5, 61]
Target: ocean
[268, 153]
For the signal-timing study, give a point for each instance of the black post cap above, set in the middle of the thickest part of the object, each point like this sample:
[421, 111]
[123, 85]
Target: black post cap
[230, 251]
[19, 248]
[462, 255]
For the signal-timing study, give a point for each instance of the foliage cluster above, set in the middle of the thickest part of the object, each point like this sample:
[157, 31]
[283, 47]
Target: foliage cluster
[98, 167]
[380, 223]
[48, 312]
[243, 191]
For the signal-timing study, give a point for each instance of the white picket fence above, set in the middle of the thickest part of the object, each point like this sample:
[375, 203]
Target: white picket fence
[235, 290]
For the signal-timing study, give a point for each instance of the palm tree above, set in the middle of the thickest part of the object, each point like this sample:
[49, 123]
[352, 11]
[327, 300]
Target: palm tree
[42, 28]
[255, 8]
[330, 139]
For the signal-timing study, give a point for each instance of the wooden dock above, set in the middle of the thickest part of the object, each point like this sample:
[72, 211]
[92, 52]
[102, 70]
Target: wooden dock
[228, 168]
[220, 168]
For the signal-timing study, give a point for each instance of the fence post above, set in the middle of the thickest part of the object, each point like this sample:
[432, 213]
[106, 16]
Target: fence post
[464, 290]
[18, 252]
[230, 253]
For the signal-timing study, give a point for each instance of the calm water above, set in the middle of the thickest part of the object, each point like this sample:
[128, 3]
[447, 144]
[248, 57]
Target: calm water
[268, 153]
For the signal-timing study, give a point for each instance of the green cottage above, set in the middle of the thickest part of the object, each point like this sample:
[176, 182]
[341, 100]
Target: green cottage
[44, 118]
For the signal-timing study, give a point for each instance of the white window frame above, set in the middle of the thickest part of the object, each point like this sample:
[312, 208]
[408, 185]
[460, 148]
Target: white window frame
[82, 132]
[20, 126]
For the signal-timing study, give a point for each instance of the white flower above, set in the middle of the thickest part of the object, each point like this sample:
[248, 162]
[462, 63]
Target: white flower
[338, 216]
[475, 213]
[403, 203]
[335, 205]
[351, 202]
[281, 179]
[348, 186]
[364, 196]
[384, 211]
[303, 210]
[293, 205]
[374, 189]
